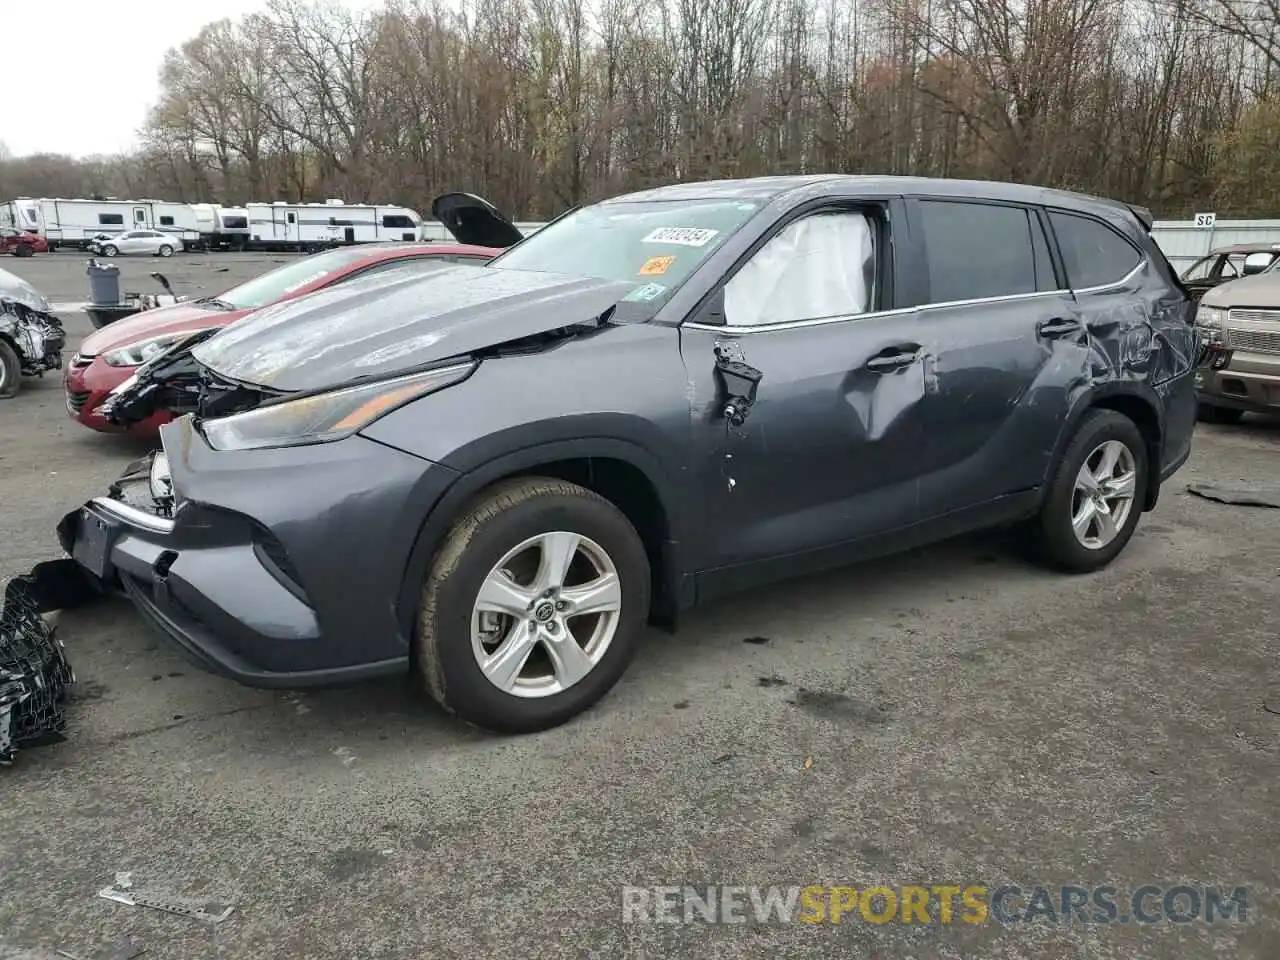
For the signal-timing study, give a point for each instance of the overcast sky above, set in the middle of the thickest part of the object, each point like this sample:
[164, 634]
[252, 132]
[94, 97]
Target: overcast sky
[86, 71]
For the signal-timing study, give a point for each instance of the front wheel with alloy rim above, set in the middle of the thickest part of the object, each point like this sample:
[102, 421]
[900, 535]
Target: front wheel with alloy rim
[166, 250]
[533, 607]
[1094, 499]
[109, 251]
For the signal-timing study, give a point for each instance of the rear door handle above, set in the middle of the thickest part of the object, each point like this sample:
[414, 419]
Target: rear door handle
[1057, 327]
[888, 362]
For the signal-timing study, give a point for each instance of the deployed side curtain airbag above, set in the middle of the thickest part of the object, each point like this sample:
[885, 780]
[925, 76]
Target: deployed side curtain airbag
[818, 266]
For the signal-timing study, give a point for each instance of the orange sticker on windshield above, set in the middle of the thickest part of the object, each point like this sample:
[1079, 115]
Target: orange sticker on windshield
[656, 266]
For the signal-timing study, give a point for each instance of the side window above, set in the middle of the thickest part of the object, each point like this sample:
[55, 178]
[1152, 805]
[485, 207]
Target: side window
[291, 218]
[980, 250]
[1201, 268]
[1094, 254]
[815, 267]
[111, 219]
[166, 221]
[396, 221]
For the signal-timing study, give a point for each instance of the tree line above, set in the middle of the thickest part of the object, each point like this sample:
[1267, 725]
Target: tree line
[539, 105]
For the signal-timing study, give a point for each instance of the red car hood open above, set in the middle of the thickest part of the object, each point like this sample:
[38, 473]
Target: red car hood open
[178, 318]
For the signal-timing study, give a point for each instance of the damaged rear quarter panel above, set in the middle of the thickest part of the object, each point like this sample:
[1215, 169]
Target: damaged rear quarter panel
[1141, 343]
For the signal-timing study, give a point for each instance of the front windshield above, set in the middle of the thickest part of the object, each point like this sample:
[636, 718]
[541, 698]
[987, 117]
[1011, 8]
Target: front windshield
[655, 244]
[270, 287]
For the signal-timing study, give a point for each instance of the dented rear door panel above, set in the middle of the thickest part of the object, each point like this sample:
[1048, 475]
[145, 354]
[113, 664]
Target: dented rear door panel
[998, 382]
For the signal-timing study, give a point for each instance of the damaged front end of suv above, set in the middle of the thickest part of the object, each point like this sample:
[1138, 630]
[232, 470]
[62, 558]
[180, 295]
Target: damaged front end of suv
[174, 380]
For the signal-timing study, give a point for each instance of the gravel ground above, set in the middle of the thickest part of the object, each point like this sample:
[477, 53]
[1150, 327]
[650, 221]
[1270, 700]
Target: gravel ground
[949, 717]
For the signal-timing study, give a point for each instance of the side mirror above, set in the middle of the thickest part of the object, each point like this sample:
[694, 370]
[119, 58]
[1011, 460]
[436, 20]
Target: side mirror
[1256, 263]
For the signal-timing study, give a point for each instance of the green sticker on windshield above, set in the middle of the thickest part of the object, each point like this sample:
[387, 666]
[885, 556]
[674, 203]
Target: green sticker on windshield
[649, 291]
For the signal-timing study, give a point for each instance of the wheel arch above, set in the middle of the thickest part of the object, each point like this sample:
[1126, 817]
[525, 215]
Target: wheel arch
[624, 473]
[1140, 404]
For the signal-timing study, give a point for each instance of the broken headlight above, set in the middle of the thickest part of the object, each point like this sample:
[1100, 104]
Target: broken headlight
[321, 417]
[1209, 323]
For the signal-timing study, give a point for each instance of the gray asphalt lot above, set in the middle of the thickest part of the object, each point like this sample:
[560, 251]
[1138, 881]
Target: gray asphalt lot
[969, 719]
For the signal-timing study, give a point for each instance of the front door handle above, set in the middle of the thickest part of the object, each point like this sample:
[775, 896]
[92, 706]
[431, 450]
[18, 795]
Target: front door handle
[1057, 327]
[888, 362]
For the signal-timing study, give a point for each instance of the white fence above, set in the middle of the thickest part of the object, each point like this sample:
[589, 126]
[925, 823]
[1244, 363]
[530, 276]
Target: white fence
[1183, 242]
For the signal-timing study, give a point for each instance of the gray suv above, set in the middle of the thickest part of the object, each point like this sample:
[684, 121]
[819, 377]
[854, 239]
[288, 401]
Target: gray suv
[494, 476]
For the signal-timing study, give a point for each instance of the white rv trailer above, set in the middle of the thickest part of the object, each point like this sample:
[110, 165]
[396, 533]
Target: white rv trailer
[312, 226]
[222, 226]
[22, 214]
[73, 223]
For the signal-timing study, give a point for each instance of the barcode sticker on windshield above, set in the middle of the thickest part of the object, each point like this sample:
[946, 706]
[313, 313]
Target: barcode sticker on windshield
[684, 236]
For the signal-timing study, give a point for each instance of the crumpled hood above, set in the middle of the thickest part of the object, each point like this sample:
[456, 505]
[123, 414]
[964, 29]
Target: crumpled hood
[1260, 290]
[15, 288]
[389, 323]
[176, 318]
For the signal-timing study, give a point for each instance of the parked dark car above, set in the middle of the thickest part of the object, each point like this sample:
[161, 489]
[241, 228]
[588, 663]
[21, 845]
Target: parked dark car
[1229, 263]
[496, 475]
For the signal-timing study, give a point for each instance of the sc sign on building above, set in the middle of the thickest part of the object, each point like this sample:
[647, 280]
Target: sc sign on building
[1206, 220]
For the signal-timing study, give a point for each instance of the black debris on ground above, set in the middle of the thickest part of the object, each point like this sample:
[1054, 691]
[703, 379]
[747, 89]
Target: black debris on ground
[34, 673]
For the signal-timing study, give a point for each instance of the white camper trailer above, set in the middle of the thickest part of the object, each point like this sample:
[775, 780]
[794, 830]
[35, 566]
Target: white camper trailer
[313, 226]
[73, 223]
[221, 227]
[22, 214]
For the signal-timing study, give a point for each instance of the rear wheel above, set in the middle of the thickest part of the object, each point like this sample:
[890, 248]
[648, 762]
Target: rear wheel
[533, 607]
[1210, 413]
[1094, 501]
[109, 250]
[166, 250]
[10, 370]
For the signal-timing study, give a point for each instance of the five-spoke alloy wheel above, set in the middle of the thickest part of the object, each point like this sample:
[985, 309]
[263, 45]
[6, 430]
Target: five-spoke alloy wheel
[546, 614]
[1095, 495]
[533, 606]
[1103, 496]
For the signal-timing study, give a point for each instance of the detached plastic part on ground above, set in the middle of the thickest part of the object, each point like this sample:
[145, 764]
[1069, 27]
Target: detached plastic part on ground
[35, 675]
[1243, 495]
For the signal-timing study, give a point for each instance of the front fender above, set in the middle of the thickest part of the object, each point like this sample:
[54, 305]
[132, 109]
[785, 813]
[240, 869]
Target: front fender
[469, 485]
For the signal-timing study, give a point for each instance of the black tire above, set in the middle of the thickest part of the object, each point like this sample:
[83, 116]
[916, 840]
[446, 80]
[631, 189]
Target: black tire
[1052, 539]
[24, 250]
[109, 250]
[508, 514]
[166, 250]
[10, 370]
[1210, 413]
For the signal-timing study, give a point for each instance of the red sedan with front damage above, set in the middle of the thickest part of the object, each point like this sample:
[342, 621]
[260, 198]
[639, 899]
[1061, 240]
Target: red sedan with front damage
[22, 243]
[109, 356]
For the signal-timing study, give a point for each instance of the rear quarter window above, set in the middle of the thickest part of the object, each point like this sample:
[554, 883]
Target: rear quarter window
[1094, 254]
